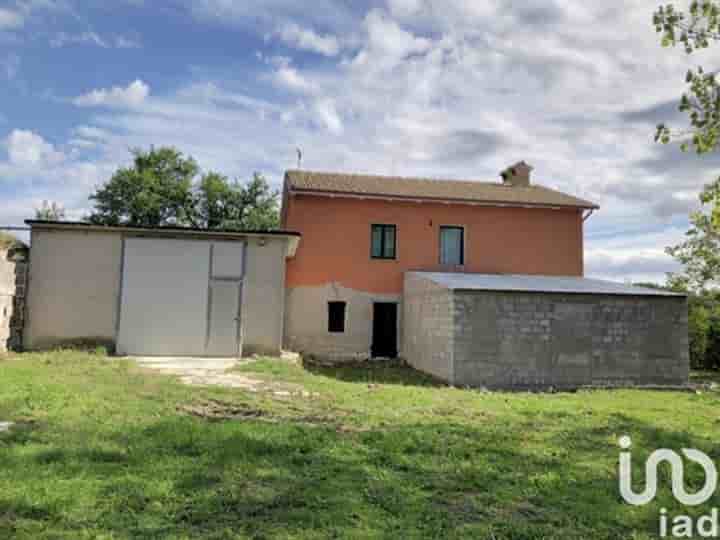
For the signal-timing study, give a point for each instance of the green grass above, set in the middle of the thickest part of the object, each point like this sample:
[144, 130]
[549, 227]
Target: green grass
[105, 450]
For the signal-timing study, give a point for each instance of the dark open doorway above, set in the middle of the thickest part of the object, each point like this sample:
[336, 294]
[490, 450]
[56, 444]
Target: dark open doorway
[384, 339]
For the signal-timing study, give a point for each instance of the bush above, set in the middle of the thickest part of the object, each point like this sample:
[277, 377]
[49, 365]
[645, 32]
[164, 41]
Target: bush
[704, 330]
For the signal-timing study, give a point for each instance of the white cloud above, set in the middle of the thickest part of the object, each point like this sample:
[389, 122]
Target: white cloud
[26, 148]
[124, 42]
[63, 39]
[131, 96]
[91, 38]
[306, 39]
[405, 8]
[387, 42]
[445, 88]
[328, 116]
[10, 19]
[91, 132]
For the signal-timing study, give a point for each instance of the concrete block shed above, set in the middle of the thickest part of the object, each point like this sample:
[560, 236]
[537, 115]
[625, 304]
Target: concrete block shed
[157, 291]
[522, 331]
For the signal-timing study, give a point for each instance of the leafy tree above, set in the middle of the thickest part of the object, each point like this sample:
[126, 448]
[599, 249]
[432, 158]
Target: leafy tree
[695, 29]
[155, 190]
[700, 252]
[163, 187]
[224, 204]
[50, 211]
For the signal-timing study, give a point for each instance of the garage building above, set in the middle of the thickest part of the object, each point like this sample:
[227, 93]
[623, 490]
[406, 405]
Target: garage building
[157, 291]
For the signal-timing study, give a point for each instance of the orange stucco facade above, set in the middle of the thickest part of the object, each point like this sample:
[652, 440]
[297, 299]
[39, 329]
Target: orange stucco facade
[335, 245]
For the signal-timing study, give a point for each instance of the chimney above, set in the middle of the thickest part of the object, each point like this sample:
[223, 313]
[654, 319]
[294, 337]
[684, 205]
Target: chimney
[517, 175]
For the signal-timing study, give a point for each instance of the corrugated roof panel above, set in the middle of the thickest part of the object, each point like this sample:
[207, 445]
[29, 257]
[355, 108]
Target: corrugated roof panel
[540, 284]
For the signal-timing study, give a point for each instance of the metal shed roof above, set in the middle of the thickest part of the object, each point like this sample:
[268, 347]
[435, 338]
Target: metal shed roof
[540, 284]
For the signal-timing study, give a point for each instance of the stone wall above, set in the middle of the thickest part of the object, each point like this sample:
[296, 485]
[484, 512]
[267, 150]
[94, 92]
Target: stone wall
[429, 327]
[519, 340]
[13, 288]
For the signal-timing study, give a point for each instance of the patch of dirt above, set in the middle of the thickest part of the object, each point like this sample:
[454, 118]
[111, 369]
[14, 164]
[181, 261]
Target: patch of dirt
[218, 411]
[209, 372]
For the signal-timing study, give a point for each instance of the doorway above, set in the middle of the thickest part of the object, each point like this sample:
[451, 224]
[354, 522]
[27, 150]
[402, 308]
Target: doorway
[384, 337]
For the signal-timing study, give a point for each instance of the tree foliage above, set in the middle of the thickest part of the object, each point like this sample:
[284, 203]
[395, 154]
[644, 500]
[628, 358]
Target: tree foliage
[155, 190]
[223, 204]
[695, 29]
[700, 252]
[50, 211]
[163, 187]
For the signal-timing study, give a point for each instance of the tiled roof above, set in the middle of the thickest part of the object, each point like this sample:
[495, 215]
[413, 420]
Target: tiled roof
[425, 188]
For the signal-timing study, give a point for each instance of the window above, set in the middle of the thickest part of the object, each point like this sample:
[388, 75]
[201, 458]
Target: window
[383, 242]
[336, 317]
[452, 245]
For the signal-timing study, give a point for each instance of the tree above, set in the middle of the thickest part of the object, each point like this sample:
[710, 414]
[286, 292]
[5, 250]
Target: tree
[155, 190]
[163, 187]
[232, 205]
[50, 211]
[695, 29]
[700, 252]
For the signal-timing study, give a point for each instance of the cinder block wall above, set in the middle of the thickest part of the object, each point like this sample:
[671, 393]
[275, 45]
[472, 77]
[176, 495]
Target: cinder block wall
[428, 333]
[13, 286]
[517, 340]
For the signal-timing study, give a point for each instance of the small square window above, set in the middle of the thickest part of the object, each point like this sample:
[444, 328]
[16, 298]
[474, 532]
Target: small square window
[336, 317]
[452, 245]
[382, 240]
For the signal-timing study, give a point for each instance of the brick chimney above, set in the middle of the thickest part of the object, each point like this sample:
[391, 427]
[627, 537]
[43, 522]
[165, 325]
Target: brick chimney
[517, 175]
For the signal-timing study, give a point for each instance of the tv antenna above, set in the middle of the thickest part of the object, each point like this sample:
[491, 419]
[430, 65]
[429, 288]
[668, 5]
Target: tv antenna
[299, 157]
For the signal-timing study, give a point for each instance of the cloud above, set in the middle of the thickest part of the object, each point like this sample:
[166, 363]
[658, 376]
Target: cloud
[26, 148]
[387, 42]
[90, 132]
[131, 96]
[444, 88]
[10, 19]
[306, 39]
[63, 39]
[124, 42]
[288, 77]
[328, 117]
[91, 38]
[264, 16]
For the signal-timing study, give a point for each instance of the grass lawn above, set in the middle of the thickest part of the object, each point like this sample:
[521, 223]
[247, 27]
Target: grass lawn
[105, 450]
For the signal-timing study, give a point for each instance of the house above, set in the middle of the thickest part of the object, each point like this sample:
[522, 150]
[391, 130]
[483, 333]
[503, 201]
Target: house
[157, 291]
[478, 283]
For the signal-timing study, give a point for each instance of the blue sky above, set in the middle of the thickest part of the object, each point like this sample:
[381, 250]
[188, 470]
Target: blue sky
[441, 88]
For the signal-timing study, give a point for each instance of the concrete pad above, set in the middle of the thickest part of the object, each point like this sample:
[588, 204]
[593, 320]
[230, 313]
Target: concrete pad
[183, 364]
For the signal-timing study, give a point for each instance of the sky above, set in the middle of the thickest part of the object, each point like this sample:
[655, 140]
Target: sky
[436, 88]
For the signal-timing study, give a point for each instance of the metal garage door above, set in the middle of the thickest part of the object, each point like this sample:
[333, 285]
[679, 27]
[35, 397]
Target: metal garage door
[180, 298]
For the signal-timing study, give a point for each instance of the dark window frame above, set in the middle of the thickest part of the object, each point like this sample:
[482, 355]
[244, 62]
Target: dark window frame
[462, 243]
[383, 227]
[337, 320]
